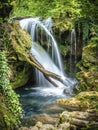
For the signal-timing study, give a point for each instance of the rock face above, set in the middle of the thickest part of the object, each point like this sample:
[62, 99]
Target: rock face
[80, 120]
[84, 109]
[41, 126]
[19, 70]
[88, 75]
[81, 102]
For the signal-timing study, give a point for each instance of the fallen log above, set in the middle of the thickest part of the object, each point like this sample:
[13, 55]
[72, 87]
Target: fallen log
[21, 48]
[40, 66]
[46, 73]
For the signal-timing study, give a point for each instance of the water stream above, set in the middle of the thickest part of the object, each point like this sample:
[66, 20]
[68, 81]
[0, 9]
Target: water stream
[73, 53]
[37, 98]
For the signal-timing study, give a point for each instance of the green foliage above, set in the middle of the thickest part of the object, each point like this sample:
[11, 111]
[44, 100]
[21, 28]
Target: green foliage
[46, 8]
[89, 18]
[90, 98]
[64, 49]
[11, 99]
[5, 9]
[62, 11]
[92, 12]
[94, 30]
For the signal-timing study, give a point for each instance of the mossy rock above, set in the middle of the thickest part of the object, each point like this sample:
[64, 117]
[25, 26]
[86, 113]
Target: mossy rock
[89, 55]
[18, 43]
[88, 75]
[86, 120]
[20, 74]
[83, 114]
[83, 101]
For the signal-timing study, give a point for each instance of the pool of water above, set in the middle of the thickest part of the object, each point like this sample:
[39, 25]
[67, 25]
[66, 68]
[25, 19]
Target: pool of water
[39, 100]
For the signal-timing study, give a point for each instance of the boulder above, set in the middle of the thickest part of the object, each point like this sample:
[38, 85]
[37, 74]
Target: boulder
[81, 102]
[19, 70]
[88, 74]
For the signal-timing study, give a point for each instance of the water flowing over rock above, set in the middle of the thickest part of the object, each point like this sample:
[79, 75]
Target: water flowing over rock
[73, 52]
[53, 63]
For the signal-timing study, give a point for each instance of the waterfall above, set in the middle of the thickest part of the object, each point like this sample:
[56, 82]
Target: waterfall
[73, 52]
[52, 62]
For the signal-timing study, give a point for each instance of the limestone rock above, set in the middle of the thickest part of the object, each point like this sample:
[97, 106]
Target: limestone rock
[78, 119]
[82, 101]
[19, 70]
[88, 75]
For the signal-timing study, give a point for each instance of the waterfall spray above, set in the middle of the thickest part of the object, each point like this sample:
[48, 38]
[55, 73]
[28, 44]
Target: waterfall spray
[53, 63]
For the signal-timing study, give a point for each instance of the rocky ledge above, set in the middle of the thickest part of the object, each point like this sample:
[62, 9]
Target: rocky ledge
[83, 112]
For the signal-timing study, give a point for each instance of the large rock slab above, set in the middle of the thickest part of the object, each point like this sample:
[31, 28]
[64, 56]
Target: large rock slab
[81, 102]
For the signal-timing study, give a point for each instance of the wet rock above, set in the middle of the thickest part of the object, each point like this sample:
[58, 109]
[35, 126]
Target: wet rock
[84, 107]
[82, 101]
[44, 118]
[23, 128]
[39, 126]
[17, 39]
[87, 119]
[88, 66]
[54, 108]
[64, 126]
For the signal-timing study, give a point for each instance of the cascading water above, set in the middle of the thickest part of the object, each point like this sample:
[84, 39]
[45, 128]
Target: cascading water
[52, 63]
[32, 24]
[73, 55]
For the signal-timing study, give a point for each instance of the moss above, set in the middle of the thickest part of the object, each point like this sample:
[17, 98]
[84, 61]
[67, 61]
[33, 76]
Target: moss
[18, 46]
[88, 75]
[21, 74]
[63, 24]
[79, 120]
[64, 50]
[83, 101]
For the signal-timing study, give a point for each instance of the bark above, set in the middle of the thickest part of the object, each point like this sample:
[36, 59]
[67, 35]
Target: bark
[19, 44]
[46, 73]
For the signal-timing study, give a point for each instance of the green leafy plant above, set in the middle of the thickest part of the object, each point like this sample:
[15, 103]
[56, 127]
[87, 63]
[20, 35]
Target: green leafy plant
[11, 99]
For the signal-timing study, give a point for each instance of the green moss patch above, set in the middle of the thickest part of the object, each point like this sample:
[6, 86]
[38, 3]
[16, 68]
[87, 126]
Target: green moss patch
[83, 101]
[88, 75]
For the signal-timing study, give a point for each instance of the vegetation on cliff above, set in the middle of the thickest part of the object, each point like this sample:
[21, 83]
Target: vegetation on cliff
[19, 43]
[88, 75]
[5, 9]
[59, 10]
[10, 108]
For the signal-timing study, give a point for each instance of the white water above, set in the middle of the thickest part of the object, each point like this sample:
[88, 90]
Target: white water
[32, 24]
[53, 64]
[73, 60]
